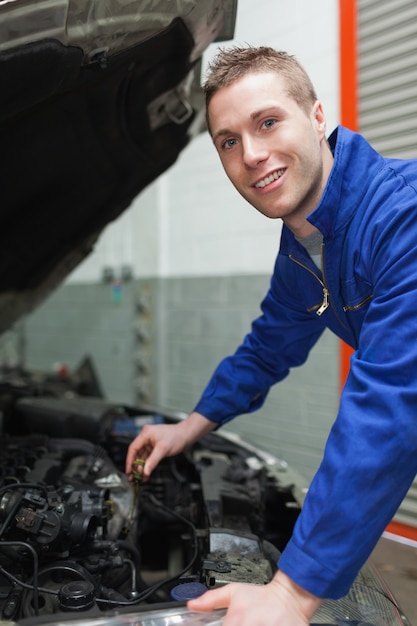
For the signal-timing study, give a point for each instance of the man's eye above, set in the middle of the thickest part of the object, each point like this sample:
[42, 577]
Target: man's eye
[229, 143]
[269, 123]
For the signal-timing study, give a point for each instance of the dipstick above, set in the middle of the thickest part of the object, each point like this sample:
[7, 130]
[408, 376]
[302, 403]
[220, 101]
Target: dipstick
[137, 481]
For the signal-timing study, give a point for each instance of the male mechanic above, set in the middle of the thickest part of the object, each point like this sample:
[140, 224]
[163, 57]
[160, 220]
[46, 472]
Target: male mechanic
[348, 262]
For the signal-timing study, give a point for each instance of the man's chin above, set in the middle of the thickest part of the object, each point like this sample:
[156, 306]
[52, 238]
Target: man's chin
[272, 214]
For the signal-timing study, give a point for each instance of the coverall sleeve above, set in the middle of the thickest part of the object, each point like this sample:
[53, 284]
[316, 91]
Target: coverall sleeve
[280, 338]
[370, 459]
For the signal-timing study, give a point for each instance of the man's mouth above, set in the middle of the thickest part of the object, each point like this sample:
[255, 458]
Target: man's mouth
[264, 182]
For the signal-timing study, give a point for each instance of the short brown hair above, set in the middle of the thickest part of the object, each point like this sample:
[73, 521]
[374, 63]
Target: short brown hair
[230, 64]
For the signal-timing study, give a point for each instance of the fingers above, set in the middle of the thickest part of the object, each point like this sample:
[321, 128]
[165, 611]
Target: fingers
[214, 599]
[152, 459]
[153, 444]
[140, 448]
[149, 447]
[257, 605]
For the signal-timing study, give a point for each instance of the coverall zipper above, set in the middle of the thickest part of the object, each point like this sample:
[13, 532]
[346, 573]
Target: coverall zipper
[355, 307]
[325, 304]
[326, 293]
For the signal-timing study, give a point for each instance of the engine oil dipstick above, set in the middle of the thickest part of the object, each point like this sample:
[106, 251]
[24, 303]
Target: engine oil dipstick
[138, 475]
[137, 480]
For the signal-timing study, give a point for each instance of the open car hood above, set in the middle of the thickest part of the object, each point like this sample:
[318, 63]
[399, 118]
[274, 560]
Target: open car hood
[98, 99]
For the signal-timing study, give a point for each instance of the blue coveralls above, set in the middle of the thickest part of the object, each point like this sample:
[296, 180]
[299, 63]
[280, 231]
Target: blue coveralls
[368, 218]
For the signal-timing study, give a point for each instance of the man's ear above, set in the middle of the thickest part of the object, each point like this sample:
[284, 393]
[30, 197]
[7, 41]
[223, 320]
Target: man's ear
[319, 118]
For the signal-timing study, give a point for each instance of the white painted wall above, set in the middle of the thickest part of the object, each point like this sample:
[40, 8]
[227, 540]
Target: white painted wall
[191, 222]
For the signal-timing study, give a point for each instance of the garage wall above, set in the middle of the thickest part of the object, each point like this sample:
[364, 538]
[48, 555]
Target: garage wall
[79, 321]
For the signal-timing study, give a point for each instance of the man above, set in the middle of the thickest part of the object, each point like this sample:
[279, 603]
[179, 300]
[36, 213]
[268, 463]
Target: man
[347, 261]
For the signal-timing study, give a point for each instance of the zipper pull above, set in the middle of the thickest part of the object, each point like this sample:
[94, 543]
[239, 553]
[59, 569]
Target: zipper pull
[325, 302]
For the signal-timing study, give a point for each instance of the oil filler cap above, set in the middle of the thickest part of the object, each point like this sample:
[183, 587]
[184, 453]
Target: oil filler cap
[78, 595]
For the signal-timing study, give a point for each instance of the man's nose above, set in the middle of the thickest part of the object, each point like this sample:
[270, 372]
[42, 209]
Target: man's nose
[254, 151]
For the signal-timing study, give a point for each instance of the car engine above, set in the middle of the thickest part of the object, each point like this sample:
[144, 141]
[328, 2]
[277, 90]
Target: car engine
[77, 536]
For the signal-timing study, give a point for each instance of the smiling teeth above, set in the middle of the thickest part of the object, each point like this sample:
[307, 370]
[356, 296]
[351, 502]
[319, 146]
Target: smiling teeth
[269, 179]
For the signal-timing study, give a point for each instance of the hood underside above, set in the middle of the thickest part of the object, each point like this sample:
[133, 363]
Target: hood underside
[90, 113]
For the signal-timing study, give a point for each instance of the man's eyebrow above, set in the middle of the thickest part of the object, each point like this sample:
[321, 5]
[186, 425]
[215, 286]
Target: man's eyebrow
[273, 108]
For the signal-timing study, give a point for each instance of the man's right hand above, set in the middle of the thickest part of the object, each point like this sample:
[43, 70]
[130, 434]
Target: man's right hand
[156, 442]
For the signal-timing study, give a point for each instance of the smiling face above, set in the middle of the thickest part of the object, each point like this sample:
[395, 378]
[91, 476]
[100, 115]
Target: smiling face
[274, 151]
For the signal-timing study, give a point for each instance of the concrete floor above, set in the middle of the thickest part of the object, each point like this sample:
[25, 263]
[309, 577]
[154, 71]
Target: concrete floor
[397, 565]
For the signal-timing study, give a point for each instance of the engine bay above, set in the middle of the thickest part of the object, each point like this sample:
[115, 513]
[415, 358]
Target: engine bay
[79, 541]
[77, 536]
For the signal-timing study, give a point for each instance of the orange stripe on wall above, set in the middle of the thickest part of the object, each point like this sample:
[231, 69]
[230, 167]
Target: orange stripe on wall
[348, 32]
[348, 62]
[402, 530]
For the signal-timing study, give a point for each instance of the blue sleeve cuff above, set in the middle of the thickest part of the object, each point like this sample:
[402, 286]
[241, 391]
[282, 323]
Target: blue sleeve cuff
[312, 576]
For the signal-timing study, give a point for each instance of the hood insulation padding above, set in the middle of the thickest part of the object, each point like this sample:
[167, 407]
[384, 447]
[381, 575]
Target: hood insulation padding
[77, 146]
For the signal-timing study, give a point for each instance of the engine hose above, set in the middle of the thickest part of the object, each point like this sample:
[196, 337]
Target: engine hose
[34, 555]
[140, 584]
[11, 514]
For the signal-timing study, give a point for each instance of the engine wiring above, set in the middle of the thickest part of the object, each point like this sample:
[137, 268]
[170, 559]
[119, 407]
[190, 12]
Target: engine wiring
[107, 601]
[151, 590]
[34, 587]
